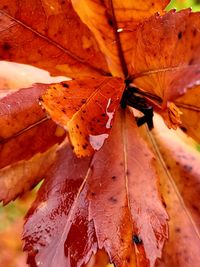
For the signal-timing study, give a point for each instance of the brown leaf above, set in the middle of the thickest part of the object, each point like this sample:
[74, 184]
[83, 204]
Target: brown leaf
[58, 49]
[118, 221]
[189, 104]
[166, 58]
[31, 172]
[104, 18]
[85, 107]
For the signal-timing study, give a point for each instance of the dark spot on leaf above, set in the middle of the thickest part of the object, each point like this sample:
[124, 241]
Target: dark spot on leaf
[180, 34]
[6, 46]
[114, 177]
[113, 199]
[83, 101]
[187, 168]
[137, 240]
[84, 146]
[93, 194]
[194, 32]
[195, 207]
[110, 22]
[191, 61]
[128, 259]
[63, 110]
[103, 114]
[164, 204]
[183, 129]
[177, 230]
[77, 126]
[84, 111]
[65, 85]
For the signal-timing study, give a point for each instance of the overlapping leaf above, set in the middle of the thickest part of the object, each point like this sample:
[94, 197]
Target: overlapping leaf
[111, 200]
[166, 59]
[24, 125]
[25, 132]
[105, 18]
[85, 205]
[22, 176]
[59, 42]
[85, 107]
[189, 104]
[179, 181]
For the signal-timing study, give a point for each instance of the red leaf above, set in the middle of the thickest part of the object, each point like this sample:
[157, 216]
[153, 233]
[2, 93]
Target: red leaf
[121, 206]
[25, 126]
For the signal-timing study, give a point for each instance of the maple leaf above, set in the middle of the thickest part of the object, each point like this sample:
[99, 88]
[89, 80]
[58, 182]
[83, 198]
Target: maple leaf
[93, 39]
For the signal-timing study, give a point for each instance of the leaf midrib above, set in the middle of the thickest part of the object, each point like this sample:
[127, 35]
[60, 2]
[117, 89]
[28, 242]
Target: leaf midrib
[55, 44]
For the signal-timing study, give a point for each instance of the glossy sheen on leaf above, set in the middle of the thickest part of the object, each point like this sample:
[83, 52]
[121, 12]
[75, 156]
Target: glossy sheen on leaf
[57, 229]
[131, 207]
[20, 110]
[25, 130]
[34, 140]
[75, 210]
[22, 176]
[166, 59]
[85, 107]
[189, 104]
[59, 42]
[104, 18]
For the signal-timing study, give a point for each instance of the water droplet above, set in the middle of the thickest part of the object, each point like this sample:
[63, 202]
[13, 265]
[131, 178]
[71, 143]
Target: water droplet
[109, 114]
[97, 141]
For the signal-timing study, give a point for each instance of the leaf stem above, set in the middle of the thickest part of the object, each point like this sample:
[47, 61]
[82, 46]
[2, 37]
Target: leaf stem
[119, 45]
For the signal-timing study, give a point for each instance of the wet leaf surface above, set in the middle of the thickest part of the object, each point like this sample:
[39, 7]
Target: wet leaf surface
[76, 194]
[85, 107]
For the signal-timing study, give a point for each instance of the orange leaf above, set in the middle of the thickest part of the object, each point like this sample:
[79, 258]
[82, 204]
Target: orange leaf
[167, 54]
[189, 104]
[58, 49]
[22, 176]
[105, 18]
[85, 107]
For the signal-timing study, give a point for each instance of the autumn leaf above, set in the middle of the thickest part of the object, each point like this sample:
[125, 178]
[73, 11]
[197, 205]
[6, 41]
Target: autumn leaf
[24, 123]
[190, 108]
[85, 107]
[179, 181]
[110, 199]
[165, 61]
[77, 213]
[58, 49]
[106, 18]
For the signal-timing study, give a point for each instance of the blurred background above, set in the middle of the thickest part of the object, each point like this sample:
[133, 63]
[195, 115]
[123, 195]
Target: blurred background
[11, 216]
